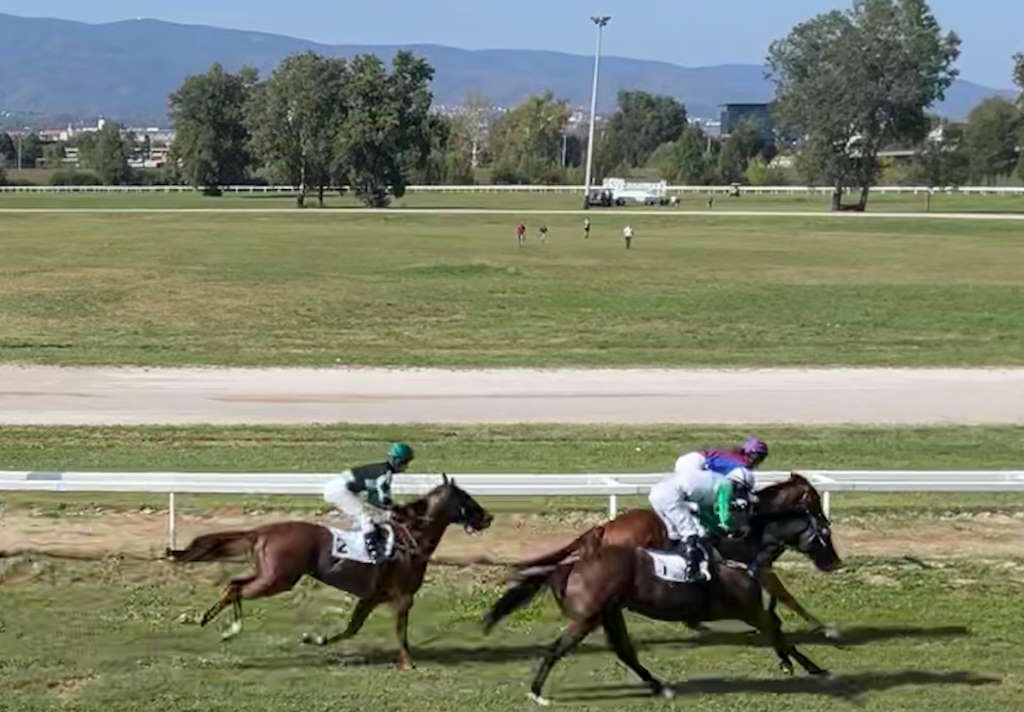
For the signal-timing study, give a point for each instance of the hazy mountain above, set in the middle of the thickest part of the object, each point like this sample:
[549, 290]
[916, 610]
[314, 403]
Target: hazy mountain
[127, 69]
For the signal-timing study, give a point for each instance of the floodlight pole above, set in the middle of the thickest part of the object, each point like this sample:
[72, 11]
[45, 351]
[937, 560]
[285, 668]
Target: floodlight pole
[600, 22]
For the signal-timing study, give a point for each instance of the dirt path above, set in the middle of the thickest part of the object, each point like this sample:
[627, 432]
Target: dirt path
[512, 537]
[39, 395]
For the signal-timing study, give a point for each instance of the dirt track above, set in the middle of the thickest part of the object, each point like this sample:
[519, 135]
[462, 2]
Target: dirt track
[130, 396]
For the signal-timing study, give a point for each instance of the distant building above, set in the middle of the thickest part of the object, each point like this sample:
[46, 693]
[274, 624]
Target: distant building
[732, 114]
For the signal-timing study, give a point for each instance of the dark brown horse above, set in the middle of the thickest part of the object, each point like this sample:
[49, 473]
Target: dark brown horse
[286, 551]
[593, 592]
[643, 528]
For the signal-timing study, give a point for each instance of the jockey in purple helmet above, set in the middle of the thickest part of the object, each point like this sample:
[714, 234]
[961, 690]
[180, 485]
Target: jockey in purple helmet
[699, 497]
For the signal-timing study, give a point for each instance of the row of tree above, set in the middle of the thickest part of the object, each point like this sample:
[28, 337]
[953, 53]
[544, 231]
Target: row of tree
[315, 122]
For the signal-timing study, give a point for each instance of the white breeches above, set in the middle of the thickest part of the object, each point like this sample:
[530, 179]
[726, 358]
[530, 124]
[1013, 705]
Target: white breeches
[362, 516]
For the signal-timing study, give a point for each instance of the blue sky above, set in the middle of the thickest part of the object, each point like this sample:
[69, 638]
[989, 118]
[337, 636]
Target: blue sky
[679, 31]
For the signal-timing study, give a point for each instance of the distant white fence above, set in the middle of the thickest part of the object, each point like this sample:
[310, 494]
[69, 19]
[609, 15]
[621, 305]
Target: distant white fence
[610, 485]
[678, 189]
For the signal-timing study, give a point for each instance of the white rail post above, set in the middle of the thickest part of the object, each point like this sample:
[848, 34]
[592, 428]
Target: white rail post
[826, 503]
[170, 521]
[613, 506]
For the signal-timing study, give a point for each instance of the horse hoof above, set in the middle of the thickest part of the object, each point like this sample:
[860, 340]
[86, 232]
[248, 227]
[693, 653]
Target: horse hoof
[313, 639]
[537, 699]
[667, 692]
[786, 667]
[832, 633]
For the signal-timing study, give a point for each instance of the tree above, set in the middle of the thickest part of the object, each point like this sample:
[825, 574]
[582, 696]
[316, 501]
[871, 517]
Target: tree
[386, 131]
[8, 151]
[293, 119]
[527, 141]
[738, 148]
[107, 153]
[211, 142]
[643, 122]
[1018, 79]
[475, 122]
[852, 82]
[31, 150]
[941, 159]
[685, 161]
[53, 155]
[990, 139]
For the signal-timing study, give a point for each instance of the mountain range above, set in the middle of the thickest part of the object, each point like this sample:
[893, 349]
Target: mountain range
[125, 70]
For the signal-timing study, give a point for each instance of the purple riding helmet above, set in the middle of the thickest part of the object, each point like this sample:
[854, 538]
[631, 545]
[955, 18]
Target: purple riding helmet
[756, 450]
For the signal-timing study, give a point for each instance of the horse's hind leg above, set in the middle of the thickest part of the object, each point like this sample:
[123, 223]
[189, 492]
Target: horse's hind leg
[574, 634]
[618, 636]
[230, 597]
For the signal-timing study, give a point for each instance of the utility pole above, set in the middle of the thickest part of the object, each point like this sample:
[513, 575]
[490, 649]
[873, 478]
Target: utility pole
[600, 21]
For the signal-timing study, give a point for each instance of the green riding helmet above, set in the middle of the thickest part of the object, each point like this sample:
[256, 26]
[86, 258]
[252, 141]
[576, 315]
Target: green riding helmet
[400, 455]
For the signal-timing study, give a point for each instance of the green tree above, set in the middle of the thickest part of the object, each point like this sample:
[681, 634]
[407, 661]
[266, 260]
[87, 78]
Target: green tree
[852, 82]
[53, 155]
[1018, 79]
[761, 172]
[31, 151]
[107, 152]
[211, 141]
[293, 119]
[643, 122]
[527, 141]
[990, 139]
[687, 160]
[386, 131]
[737, 149]
[941, 159]
[8, 151]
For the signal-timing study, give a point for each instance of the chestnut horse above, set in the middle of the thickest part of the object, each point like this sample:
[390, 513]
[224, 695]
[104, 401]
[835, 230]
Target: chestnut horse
[643, 528]
[595, 590]
[286, 551]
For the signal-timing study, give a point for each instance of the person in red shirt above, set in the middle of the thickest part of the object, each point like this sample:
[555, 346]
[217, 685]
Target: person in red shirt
[520, 234]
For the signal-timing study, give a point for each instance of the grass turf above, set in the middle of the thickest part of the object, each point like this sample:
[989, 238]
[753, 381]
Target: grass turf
[511, 200]
[111, 636]
[452, 290]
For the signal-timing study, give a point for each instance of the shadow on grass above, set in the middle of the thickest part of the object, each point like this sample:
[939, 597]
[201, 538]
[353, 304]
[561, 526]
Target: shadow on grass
[470, 652]
[845, 687]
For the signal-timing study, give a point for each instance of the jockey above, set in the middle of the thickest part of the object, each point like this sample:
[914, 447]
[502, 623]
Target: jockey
[702, 493]
[375, 481]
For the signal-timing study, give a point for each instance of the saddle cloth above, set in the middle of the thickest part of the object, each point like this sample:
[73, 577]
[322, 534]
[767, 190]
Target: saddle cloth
[670, 566]
[350, 544]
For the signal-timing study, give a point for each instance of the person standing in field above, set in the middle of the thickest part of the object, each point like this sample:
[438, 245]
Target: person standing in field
[627, 235]
[586, 228]
[520, 234]
[542, 233]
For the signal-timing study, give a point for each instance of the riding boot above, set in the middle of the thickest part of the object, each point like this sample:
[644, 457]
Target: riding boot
[693, 552]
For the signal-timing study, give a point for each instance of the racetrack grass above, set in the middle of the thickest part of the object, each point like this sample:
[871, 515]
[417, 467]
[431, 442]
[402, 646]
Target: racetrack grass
[525, 200]
[114, 635]
[452, 290]
[481, 449]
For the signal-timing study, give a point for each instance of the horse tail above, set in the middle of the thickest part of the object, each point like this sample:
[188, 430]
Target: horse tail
[586, 541]
[519, 595]
[219, 545]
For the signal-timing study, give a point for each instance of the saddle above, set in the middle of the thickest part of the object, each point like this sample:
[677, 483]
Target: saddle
[672, 566]
[350, 544]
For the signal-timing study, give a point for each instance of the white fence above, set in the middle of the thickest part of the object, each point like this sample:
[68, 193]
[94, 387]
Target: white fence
[681, 189]
[610, 485]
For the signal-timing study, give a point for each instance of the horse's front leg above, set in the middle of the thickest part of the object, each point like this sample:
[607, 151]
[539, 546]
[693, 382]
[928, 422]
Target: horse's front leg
[773, 585]
[402, 607]
[362, 611]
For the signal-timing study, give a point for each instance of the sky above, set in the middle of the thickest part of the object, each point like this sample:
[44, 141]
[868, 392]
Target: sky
[683, 32]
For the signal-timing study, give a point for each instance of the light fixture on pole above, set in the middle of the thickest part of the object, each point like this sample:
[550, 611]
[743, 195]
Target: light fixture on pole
[600, 22]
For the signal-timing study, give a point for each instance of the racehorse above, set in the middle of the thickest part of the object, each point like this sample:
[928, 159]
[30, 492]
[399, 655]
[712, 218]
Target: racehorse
[643, 528]
[286, 551]
[593, 592]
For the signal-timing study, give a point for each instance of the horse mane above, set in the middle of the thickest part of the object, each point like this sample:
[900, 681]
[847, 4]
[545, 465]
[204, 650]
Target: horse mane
[418, 508]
